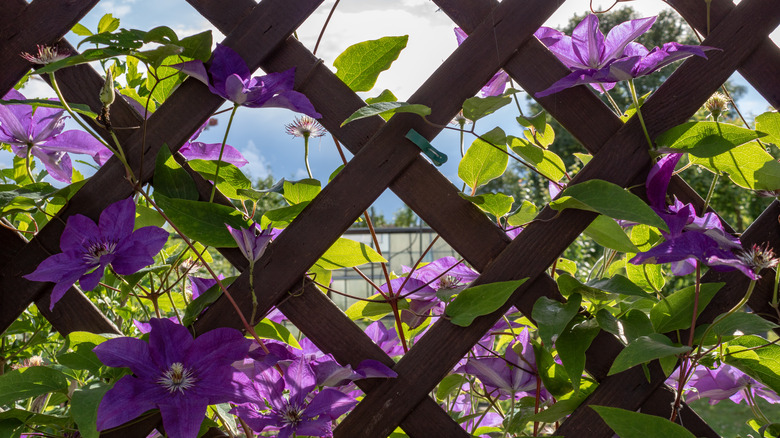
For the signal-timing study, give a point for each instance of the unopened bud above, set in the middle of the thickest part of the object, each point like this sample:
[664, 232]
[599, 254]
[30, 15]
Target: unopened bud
[717, 104]
[107, 92]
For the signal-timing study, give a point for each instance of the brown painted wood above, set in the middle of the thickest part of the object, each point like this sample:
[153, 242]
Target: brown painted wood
[40, 22]
[173, 124]
[624, 148]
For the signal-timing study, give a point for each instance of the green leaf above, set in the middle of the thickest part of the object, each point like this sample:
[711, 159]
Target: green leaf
[35, 103]
[384, 96]
[475, 108]
[552, 316]
[347, 253]
[88, 55]
[449, 386]
[628, 424]
[584, 158]
[84, 406]
[572, 344]
[497, 204]
[161, 79]
[526, 213]
[197, 46]
[569, 285]
[536, 122]
[30, 382]
[304, 190]
[757, 358]
[108, 23]
[268, 329]
[676, 311]
[170, 179]
[281, 217]
[322, 276]
[484, 161]
[146, 216]
[82, 357]
[628, 327]
[748, 166]
[742, 323]
[644, 349]
[565, 405]
[80, 30]
[619, 284]
[202, 221]
[607, 233]
[386, 110]
[14, 197]
[609, 199]
[480, 300]
[553, 375]
[359, 66]
[705, 139]
[204, 300]
[231, 179]
[542, 137]
[545, 161]
[769, 123]
[374, 309]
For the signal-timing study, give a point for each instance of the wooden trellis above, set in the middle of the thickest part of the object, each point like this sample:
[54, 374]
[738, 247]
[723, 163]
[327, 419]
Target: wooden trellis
[500, 37]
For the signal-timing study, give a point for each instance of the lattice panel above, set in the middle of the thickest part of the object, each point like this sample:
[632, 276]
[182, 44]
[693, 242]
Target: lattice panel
[384, 159]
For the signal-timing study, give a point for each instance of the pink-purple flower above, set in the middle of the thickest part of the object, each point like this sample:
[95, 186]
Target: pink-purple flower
[602, 61]
[252, 241]
[724, 382]
[41, 133]
[229, 77]
[88, 248]
[197, 150]
[174, 373]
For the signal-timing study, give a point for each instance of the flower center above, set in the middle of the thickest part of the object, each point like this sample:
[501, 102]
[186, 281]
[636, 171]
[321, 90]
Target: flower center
[449, 282]
[177, 378]
[97, 250]
[291, 414]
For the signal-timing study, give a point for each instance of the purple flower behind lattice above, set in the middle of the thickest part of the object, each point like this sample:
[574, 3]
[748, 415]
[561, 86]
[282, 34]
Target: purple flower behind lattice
[229, 77]
[602, 61]
[385, 338]
[725, 382]
[88, 248]
[290, 405]
[252, 241]
[174, 373]
[691, 238]
[40, 131]
[196, 150]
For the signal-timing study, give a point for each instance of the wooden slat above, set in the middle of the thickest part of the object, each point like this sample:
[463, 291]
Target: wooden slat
[40, 22]
[173, 124]
[529, 254]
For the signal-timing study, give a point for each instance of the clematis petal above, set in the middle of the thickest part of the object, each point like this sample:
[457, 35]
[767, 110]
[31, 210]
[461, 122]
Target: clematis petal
[624, 33]
[224, 63]
[56, 163]
[129, 398]
[210, 151]
[15, 119]
[235, 89]
[126, 352]
[658, 179]
[63, 269]
[168, 342]
[548, 36]
[139, 249]
[668, 53]
[196, 69]
[46, 124]
[78, 231]
[300, 380]
[90, 281]
[217, 347]
[182, 416]
[77, 142]
[496, 85]
[291, 100]
[330, 403]
[588, 42]
[319, 427]
[117, 220]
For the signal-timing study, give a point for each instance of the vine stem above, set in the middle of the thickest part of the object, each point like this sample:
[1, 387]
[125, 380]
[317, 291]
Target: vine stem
[222, 151]
[306, 154]
[639, 112]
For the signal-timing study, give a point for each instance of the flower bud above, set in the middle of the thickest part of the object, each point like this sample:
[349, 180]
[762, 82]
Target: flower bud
[107, 92]
[717, 104]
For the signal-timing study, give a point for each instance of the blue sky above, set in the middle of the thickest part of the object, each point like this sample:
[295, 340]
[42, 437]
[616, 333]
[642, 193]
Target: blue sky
[259, 133]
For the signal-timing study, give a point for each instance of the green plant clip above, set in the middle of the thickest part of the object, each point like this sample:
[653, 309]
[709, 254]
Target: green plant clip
[437, 157]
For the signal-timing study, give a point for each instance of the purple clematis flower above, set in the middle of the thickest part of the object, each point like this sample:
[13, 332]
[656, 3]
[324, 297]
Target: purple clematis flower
[690, 237]
[88, 248]
[252, 241]
[174, 373]
[603, 61]
[41, 131]
[288, 404]
[385, 338]
[497, 84]
[196, 150]
[229, 77]
[725, 382]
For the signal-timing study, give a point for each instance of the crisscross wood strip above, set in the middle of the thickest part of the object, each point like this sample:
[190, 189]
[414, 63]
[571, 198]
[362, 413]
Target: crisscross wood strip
[25, 25]
[172, 124]
[626, 148]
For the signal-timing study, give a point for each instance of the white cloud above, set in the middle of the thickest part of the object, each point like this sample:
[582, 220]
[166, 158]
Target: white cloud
[257, 166]
[118, 8]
